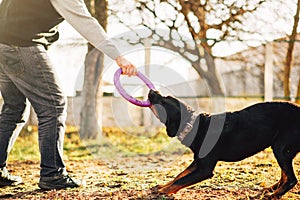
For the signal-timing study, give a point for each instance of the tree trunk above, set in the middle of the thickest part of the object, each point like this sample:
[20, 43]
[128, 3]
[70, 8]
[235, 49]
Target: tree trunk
[211, 75]
[213, 80]
[296, 21]
[90, 117]
[289, 56]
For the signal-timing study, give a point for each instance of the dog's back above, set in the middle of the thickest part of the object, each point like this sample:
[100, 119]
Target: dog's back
[274, 115]
[257, 127]
[279, 110]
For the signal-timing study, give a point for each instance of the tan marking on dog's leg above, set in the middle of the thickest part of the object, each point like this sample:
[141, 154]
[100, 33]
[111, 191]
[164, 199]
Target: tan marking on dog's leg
[276, 185]
[187, 171]
[182, 174]
[287, 184]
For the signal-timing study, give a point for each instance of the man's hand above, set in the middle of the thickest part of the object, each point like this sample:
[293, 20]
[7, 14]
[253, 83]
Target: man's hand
[127, 67]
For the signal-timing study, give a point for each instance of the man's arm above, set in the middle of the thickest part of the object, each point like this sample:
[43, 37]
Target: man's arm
[76, 13]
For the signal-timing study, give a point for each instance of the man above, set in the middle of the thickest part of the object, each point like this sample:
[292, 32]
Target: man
[26, 28]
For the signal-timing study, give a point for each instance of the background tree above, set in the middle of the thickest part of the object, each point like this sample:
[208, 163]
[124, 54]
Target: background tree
[289, 56]
[194, 29]
[296, 21]
[191, 28]
[90, 120]
[298, 93]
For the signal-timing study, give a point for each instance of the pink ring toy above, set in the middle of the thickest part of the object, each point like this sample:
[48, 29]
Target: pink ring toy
[128, 97]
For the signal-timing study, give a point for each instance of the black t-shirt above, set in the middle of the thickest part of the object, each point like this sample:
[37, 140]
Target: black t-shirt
[27, 22]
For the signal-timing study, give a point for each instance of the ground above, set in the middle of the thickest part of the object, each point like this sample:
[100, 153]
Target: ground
[132, 175]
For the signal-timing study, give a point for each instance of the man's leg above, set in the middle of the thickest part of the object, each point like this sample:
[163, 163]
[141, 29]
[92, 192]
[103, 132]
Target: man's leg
[38, 82]
[40, 85]
[12, 119]
[14, 113]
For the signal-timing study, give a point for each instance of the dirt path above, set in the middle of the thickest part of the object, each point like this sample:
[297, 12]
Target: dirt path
[133, 178]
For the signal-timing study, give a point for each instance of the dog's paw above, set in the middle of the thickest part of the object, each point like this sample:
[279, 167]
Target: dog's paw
[271, 197]
[157, 194]
[155, 189]
[264, 196]
[168, 190]
[160, 189]
[154, 194]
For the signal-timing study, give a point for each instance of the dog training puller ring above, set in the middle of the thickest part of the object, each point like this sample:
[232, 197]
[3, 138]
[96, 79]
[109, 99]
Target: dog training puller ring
[128, 97]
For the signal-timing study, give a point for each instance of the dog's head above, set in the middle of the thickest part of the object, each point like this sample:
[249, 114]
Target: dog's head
[170, 111]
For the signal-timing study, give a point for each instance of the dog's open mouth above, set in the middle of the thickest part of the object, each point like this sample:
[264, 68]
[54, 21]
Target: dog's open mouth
[158, 110]
[155, 112]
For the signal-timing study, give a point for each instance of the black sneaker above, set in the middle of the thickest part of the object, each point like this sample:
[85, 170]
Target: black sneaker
[59, 182]
[6, 179]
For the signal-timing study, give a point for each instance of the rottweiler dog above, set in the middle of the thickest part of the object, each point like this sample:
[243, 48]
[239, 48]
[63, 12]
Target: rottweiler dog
[231, 136]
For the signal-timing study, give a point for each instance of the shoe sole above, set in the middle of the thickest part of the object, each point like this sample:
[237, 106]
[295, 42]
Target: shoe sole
[45, 186]
[11, 184]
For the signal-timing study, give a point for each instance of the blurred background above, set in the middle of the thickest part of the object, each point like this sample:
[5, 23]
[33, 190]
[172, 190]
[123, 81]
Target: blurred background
[237, 50]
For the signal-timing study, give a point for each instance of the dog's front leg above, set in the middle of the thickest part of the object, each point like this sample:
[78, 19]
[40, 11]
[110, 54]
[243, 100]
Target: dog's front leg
[192, 167]
[188, 180]
[198, 172]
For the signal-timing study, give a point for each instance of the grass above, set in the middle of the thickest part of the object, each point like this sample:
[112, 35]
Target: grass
[115, 141]
[26, 146]
[132, 162]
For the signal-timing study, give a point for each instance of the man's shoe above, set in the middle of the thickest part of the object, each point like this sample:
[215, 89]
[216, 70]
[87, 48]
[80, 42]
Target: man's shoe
[59, 182]
[6, 179]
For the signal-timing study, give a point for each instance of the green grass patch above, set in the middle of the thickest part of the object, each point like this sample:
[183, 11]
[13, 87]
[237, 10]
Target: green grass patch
[114, 142]
[26, 146]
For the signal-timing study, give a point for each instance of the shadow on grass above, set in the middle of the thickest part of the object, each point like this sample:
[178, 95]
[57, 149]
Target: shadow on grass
[20, 195]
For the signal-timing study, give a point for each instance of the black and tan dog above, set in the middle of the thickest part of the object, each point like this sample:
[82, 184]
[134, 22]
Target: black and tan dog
[231, 136]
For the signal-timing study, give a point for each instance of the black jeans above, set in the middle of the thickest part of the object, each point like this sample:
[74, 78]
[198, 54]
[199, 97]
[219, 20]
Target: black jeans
[27, 74]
